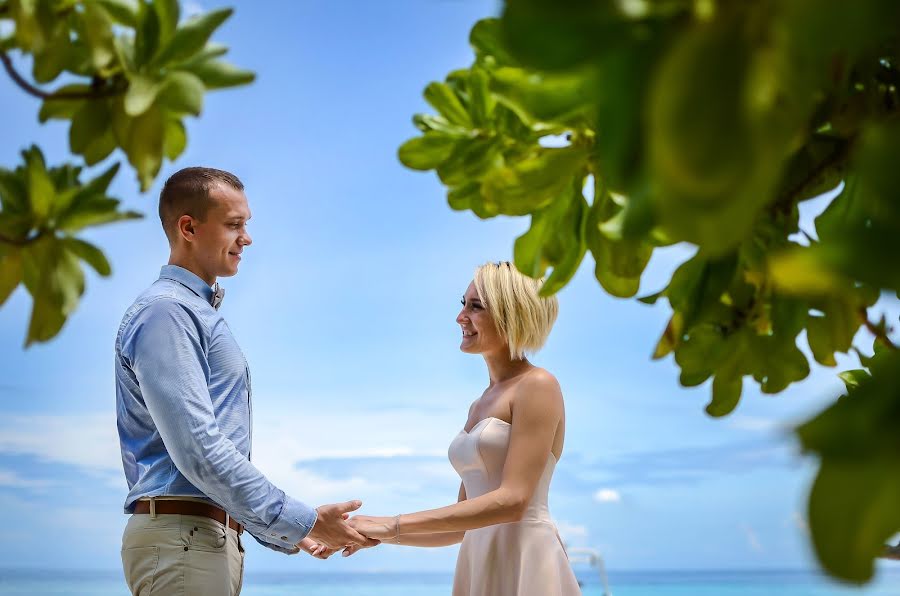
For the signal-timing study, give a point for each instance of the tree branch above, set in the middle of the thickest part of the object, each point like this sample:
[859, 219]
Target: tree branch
[891, 552]
[17, 241]
[94, 93]
[880, 333]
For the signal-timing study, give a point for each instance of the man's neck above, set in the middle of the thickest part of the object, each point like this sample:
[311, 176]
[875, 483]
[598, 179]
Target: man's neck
[187, 263]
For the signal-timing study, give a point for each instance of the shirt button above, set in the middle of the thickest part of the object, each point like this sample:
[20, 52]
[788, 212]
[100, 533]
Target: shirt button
[284, 537]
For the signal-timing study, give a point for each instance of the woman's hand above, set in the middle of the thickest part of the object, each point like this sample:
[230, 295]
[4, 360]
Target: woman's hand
[380, 528]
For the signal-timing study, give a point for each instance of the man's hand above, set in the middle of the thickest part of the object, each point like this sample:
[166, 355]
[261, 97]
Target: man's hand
[331, 528]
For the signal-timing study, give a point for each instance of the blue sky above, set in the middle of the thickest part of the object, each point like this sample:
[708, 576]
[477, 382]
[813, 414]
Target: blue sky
[345, 308]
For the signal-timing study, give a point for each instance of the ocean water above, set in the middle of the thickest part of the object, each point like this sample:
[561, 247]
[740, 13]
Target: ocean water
[655, 583]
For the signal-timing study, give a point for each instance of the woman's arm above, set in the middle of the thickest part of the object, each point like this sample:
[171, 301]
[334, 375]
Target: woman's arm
[537, 410]
[436, 538]
[423, 540]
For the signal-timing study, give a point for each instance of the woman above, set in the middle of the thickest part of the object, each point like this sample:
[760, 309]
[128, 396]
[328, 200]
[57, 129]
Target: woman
[505, 454]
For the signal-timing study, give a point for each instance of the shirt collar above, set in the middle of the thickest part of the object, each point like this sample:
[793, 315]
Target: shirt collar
[189, 280]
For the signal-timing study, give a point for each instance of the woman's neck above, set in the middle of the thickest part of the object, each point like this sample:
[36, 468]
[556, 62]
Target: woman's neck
[502, 368]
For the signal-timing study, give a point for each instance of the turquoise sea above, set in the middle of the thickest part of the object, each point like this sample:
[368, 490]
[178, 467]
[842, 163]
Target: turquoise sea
[655, 583]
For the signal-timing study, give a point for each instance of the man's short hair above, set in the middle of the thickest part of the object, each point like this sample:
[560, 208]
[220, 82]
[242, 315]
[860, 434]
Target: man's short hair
[186, 192]
[523, 317]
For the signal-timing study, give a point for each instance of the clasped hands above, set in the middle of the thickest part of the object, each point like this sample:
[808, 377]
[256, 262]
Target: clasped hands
[335, 530]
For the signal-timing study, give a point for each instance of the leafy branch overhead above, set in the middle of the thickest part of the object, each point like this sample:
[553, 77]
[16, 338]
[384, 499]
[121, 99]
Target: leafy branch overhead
[133, 70]
[620, 128]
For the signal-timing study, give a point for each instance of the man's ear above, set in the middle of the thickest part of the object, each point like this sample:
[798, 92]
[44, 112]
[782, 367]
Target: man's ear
[186, 227]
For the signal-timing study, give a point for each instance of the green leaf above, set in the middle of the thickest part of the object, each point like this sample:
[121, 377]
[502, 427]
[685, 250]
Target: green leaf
[100, 184]
[144, 146]
[853, 378]
[426, 152]
[167, 12]
[124, 12]
[531, 183]
[47, 319]
[95, 213]
[91, 134]
[567, 247]
[776, 362]
[851, 504]
[444, 100]
[544, 98]
[88, 253]
[52, 59]
[481, 100]
[10, 272]
[142, 92]
[146, 41]
[556, 239]
[853, 513]
[210, 50]
[486, 39]
[698, 284]
[703, 351]
[561, 35]
[699, 147]
[191, 36]
[40, 188]
[619, 261]
[98, 36]
[181, 93]
[461, 198]
[175, 138]
[801, 271]
[217, 74]
[429, 123]
[726, 393]
[13, 192]
[833, 331]
[54, 278]
[62, 109]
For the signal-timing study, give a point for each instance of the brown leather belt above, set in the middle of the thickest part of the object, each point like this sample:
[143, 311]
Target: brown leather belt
[189, 508]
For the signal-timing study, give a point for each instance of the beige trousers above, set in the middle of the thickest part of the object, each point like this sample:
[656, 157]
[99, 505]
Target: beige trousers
[181, 555]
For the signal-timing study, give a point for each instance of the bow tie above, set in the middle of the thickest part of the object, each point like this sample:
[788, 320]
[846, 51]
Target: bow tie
[217, 297]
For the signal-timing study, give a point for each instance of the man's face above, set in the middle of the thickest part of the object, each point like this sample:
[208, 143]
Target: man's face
[221, 238]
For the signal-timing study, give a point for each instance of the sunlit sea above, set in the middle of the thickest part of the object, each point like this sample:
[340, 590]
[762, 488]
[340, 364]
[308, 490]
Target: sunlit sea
[656, 583]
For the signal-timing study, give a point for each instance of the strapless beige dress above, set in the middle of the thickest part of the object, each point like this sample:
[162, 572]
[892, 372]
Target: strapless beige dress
[524, 558]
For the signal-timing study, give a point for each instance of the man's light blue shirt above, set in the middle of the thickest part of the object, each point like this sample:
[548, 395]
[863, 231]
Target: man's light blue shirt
[183, 401]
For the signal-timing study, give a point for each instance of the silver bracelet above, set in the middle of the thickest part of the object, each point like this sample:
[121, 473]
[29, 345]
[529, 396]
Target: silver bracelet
[396, 539]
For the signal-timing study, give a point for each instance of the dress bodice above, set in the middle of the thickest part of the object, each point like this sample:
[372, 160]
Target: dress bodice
[478, 457]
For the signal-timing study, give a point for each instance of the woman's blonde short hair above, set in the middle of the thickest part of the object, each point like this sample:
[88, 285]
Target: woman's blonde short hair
[523, 317]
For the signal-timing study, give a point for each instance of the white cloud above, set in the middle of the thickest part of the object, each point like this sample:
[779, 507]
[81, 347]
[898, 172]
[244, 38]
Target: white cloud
[755, 424]
[289, 448]
[607, 495]
[9, 479]
[84, 440]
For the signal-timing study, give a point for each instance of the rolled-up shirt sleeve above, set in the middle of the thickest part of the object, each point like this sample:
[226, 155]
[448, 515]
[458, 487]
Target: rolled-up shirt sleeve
[167, 346]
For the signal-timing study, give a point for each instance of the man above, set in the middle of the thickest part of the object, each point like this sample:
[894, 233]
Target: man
[183, 402]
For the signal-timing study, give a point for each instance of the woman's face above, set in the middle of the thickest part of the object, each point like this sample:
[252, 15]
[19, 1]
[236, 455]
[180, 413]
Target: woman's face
[479, 333]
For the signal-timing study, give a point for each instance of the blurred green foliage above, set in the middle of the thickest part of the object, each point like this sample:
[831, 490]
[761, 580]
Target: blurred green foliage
[620, 127]
[131, 72]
